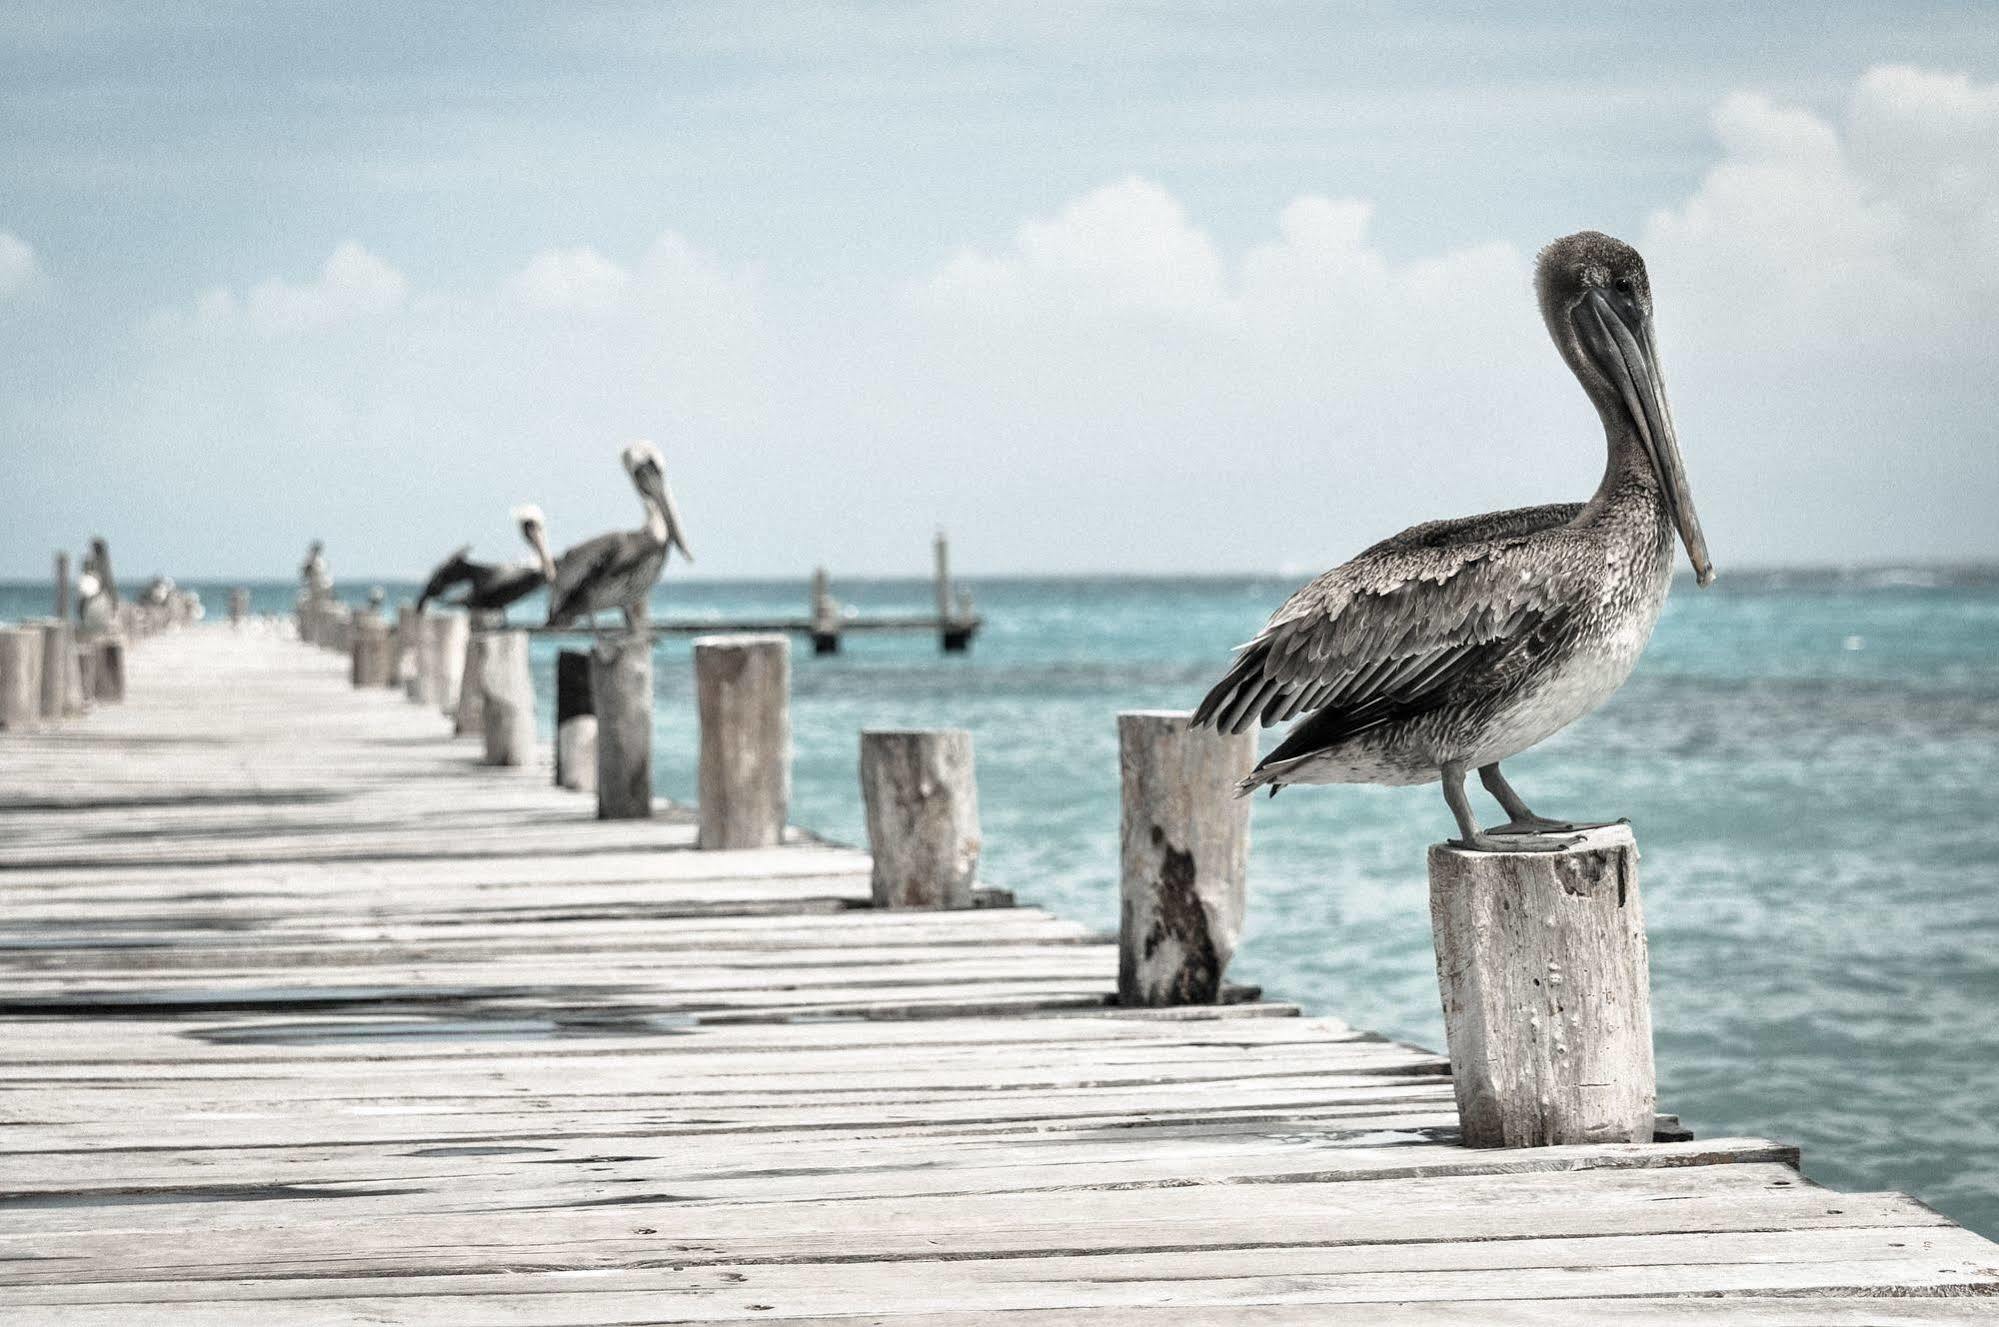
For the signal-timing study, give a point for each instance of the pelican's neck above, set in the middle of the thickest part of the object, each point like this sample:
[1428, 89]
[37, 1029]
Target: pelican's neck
[1628, 474]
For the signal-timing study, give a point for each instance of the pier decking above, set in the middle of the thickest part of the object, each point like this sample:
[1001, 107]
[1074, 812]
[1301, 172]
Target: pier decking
[307, 1017]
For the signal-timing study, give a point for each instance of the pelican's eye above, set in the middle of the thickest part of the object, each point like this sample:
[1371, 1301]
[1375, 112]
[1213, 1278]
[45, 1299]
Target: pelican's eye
[1624, 286]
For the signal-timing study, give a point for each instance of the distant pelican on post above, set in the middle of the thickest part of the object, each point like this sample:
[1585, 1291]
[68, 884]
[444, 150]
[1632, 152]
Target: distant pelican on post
[618, 570]
[492, 586]
[1456, 644]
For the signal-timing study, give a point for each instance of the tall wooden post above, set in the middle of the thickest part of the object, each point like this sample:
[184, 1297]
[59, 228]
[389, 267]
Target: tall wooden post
[621, 691]
[825, 615]
[469, 718]
[108, 674]
[370, 657]
[58, 669]
[239, 605]
[576, 724]
[507, 698]
[62, 586]
[445, 641]
[1541, 960]
[922, 802]
[743, 688]
[1184, 853]
[20, 678]
[402, 648]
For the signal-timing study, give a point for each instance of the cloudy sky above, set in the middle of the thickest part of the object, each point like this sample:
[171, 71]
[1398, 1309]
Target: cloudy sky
[1150, 287]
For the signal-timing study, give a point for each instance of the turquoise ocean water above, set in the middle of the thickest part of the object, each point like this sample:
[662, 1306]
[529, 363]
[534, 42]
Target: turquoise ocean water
[1808, 760]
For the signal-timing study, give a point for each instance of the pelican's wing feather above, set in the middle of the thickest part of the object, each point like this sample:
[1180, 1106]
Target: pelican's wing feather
[575, 571]
[454, 570]
[1397, 624]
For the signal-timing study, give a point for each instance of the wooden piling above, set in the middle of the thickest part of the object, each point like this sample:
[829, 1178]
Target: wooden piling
[506, 690]
[1541, 961]
[371, 658]
[922, 801]
[621, 693]
[58, 668]
[825, 622]
[444, 642]
[469, 718]
[743, 690]
[108, 673]
[575, 723]
[1184, 854]
[239, 606]
[20, 678]
[62, 586]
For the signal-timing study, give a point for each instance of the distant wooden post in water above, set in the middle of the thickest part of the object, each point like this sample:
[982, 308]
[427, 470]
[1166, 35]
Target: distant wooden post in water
[954, 628]
[371, 658]
[575, 723]
[825, 615]
[1541, 960]
[20, 678]
[239, 606]
[62, 586]
[506, 698]
[922, 800]
[621, 694]
[743, 688]
[1184, 857]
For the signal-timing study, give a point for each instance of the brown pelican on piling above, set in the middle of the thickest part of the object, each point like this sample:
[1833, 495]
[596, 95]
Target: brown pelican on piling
[617, 570]
[492, 586]
[1456, 644]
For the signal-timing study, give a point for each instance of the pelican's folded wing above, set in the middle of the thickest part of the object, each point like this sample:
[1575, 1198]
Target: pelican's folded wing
[1378, 636]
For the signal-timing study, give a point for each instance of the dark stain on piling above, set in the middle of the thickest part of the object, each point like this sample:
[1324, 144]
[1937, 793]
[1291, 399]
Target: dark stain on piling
[1181, 919]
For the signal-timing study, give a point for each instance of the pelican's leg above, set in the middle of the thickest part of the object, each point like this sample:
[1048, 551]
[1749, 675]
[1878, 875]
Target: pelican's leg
[1522, 820]
[1478, 840]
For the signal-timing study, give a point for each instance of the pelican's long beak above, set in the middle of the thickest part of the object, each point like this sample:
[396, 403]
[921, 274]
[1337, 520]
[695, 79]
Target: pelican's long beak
[662, 496]
[1618, 336]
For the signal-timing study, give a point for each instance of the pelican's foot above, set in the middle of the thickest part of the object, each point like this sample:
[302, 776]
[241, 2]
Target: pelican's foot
[1523, 825]
[1488, 841]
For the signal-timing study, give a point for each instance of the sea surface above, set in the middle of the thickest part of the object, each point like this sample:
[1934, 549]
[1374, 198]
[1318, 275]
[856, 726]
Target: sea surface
[1809, 760]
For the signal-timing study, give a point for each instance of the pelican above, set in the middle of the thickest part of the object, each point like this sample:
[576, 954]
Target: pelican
[1456, 644]
[617, 570]
[492, 586]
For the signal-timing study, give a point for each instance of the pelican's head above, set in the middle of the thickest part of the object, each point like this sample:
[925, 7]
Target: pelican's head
[1597, 301]
[642, 462]
[534, 529]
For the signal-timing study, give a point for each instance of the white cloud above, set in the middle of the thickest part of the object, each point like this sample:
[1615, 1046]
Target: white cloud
[19, 269]
[1114, 387]
[352, 284]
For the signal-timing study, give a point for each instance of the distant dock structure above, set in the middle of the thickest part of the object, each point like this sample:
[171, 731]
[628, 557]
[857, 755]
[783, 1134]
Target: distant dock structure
[826, 621]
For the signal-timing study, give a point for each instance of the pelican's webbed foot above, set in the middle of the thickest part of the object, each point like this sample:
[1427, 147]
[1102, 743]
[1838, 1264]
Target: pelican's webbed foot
[1532, 824]
[1487, 841]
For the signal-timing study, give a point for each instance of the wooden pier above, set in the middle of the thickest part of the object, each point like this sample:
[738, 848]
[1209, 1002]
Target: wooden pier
[312, 1017]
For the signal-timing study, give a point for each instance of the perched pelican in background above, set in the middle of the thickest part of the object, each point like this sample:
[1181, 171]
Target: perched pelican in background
[617, 570]
[492, 586]
[1456, 644]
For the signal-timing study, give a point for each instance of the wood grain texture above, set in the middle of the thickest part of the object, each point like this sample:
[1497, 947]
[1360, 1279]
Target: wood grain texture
[20, 678]
[1542, 964]
[921, 797]
[308, 1016]
[742, 688]
[507, 699]
[621, 690]
[1184, 857]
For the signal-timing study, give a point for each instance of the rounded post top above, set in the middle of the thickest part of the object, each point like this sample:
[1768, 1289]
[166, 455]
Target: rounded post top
[742, 641]
[1602, 839]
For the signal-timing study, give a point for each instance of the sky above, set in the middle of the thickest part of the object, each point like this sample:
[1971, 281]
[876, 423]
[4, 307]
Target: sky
[1097, 287]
